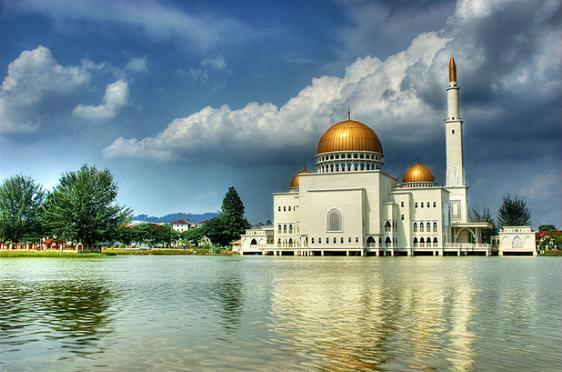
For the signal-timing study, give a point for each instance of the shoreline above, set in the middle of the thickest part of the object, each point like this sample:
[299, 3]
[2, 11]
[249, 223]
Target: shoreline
[107, 252]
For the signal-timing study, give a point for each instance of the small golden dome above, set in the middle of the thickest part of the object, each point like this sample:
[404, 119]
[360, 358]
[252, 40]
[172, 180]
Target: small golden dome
[295, 181]
[418, 173]
[349, 135]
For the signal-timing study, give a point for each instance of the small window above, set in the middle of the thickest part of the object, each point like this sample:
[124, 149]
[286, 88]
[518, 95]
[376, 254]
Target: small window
[435, 227]
[402, 217]
[416, 204]
[284, 209]
[415, 227]
[341, 240]
[356, 239]
[434, 205]
[349, 239]
[279, 208]
[402, 204]
[421, 226]
[453, 131]
[279, 229]
[312, 240]
[289, 208]
[334, 240]
[319, 240]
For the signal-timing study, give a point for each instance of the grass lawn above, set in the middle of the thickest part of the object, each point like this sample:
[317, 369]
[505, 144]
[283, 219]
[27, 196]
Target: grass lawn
[117, 252]
[50, 254]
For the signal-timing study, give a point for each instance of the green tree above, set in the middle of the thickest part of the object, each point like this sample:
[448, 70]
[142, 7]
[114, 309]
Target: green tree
[514, 212]
[485, 216]
[193, 235]
[21, 203]
[83, 209]
[547, 228]
[230, 222]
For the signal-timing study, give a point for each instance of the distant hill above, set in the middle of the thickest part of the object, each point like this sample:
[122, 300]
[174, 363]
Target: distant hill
[193, 217]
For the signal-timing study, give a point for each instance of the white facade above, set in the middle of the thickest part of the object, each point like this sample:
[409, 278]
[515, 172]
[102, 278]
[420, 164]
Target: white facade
[351, 206]
[181, 225]
[517, 240]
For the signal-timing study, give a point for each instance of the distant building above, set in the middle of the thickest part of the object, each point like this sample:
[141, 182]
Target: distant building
[182, 225]
[517, 241]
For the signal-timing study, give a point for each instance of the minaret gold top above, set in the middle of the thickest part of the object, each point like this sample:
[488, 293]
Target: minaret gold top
[452, 70]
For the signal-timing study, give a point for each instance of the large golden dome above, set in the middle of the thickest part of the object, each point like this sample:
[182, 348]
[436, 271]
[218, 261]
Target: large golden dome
[349, 135]
[295, 181]
[418, 173]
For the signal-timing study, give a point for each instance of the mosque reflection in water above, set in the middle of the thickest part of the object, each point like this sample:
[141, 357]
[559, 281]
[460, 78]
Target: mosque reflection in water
[375, 323]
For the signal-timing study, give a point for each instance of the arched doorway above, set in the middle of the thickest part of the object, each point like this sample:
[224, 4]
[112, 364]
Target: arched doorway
[370, 241]
[253, 242]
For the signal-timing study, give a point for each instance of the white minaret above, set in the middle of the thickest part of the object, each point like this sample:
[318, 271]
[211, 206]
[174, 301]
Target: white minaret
[455, 181]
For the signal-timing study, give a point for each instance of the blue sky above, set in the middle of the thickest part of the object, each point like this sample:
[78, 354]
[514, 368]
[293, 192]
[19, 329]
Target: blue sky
[182, 99]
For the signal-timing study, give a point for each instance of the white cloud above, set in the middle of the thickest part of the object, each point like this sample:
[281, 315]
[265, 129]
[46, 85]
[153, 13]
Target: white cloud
[402, 93]
[30, 79]
[216, 62]
[157, 20]
[370, 86]
[115, 98]
[136, 64]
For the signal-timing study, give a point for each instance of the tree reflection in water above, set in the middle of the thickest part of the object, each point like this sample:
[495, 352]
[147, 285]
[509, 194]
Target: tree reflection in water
[229, 293]
[74, 315]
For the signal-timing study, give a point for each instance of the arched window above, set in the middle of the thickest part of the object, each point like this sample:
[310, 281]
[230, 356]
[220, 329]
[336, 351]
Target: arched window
[290, 229]
[341, 240]
[387, 241]
[371, 241]
[334, 220]
[422, 242]
[415, 227]
[279, 242]
[435, 242]
[279, 229]
[416, 204]
[284, 209]
[428, 227]
[434, 205]
[435, 227]
[290, 242]
[421, 226]
[312, 240]
[517, 243]
[279, 208]
[334, 240]
[254, 242]
[387, 226]
[284, 229]
[289, 208]
[415, 242]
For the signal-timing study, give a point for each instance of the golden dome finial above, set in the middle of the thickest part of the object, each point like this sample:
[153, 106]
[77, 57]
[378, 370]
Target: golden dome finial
[348, 113]
[452, 70]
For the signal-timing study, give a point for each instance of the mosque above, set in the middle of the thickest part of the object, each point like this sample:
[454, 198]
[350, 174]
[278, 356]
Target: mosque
[351, 206]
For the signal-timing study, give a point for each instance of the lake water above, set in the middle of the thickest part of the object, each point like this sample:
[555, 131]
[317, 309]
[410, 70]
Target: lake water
[281, 313]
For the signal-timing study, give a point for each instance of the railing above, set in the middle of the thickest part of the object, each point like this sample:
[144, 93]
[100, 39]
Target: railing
[467, 246]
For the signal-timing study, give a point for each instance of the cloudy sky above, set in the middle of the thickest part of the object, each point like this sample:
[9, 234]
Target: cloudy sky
[182, 99]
